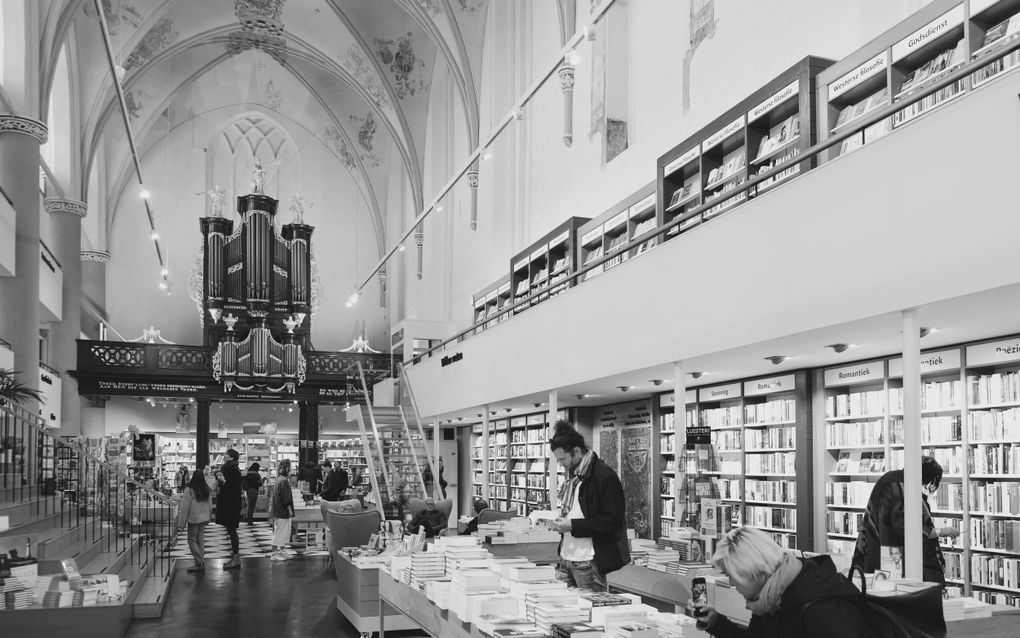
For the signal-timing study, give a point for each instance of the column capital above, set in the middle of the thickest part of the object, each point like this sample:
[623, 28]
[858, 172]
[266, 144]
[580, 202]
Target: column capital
[63, 205]
[25, 126]
[100, 256]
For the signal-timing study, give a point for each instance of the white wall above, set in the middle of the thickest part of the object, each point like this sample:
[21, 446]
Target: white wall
[558, 181]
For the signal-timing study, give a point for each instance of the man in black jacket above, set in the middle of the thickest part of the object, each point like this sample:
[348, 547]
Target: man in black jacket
[228, 504]
[592, 518]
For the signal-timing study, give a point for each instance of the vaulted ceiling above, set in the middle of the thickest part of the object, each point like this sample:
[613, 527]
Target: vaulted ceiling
[367, 65]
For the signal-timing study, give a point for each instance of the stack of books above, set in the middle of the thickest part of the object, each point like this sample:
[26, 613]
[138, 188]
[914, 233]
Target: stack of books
[632, 630]
[425, 566]
[577, 630]
[58, 598]
[547, 615]
[547, 597]
[659, 559]
[9, 587]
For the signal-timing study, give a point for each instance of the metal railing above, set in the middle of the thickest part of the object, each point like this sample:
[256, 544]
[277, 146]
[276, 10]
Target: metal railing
[64, 483]
[702, 213]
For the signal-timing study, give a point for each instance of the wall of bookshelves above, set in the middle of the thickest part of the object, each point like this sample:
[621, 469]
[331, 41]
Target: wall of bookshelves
[914, 55]
[970, 423]
[519, 462]
[768, 129]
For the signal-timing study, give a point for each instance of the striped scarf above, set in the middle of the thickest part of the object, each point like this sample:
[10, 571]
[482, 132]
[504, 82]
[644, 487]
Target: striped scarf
[569, 487]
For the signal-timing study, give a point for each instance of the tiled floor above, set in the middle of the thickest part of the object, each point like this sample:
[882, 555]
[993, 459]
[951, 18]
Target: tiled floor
[255, 541]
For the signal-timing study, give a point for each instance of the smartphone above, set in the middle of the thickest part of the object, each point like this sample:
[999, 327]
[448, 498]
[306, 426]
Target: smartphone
[699, 596]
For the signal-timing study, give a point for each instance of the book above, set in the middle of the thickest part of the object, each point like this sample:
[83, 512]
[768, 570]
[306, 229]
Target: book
[878, 462]
[844, 115]
[996, 32]
[841, 464]
[864, 466]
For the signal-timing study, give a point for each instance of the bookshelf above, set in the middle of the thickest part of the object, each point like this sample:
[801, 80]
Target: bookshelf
[992, 437]
[768, 129]
[777, 419]
[925, 48]
[67, 469]
[488, 303]
[857, 445]
[631, 218]
[673, 470]
[720, 409]
[543, 268]
[519, 464]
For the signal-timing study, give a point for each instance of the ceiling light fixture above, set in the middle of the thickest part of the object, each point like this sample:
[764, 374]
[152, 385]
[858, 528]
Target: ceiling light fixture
[695, 375]
[439, 208]
[508, 409]
[623, 388]
[776, 359]
[401, 248]
[144, 193]
[154, 236]
[839, 347]
[581, 397]
[572, 57]
[656, 382]
[485, 153]
[927, 331]
[537, 405]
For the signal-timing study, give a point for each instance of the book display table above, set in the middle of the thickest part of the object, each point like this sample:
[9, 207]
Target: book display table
[357, 598]
[308, 529]
[538, 553]
[660, 587]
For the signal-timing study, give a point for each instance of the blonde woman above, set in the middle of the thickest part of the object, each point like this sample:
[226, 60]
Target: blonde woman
[282, 511]
[787, 596]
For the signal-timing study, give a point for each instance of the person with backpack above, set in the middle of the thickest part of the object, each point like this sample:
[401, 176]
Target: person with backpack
[195, 511]
[789, 597]
[281, 511]
[251, 483]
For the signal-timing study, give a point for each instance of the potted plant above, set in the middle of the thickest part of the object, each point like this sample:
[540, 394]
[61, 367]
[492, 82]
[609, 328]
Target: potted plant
[13, 391]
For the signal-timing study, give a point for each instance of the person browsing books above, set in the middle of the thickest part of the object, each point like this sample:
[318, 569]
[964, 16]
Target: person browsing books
[883, 525]
[196, 512]
[592, 508]
[788, 596]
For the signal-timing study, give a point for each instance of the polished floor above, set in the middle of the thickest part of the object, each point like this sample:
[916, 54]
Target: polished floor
[263, 598]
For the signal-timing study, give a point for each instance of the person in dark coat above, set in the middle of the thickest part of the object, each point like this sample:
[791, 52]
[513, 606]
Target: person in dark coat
[251, 483]
[480, 505]
[789, 597]
[228, 504]
[883, 524]
[334, 488]
[592, 518]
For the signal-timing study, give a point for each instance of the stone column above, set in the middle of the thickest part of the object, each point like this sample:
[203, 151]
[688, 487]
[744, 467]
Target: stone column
[566, 74]
[67, 215]
[20, 138]
[93, 286]
[472, 181]
[308, 430]
[202, 434]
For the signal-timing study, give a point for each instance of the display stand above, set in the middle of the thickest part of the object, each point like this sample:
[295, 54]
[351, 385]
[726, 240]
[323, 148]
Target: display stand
[544, 266]
[625, 222]
[357, 598]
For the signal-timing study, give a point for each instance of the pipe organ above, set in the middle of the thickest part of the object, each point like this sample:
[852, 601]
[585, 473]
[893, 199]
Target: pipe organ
[256, 297]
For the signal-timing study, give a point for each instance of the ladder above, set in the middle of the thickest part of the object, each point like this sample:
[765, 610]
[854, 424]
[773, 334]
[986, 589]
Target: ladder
[392, 450]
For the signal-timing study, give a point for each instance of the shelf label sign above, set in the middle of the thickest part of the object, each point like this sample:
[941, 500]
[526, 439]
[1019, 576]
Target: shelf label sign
[591, 235]
[536, 419]
[730, 129]
[870, 68]
[668, 400]
[642, 206]
[559, 239]
[982, 354]
[504, 289]
[785, 94]
[538, 254]
[782, 383]
[930, 362]
[616, 221]
[858, 373]
[977, 6]
[518, 421]
[684, 159]
[928, 33]
[720, 392]
[521, 265]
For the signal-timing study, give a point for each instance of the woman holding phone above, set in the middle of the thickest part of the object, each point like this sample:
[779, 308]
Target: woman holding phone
[787, 596]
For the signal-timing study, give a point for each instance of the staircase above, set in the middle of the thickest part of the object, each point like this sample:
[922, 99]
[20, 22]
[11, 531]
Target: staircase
[59, 500]
[395, 450]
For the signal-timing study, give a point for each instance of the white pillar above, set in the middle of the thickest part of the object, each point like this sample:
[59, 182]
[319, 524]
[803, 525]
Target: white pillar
[485, 453]
[912, 443]
[680, 436]
[553, 480]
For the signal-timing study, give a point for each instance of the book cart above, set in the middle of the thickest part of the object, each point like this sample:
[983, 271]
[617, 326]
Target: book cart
[768, 129]
[914, 55]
